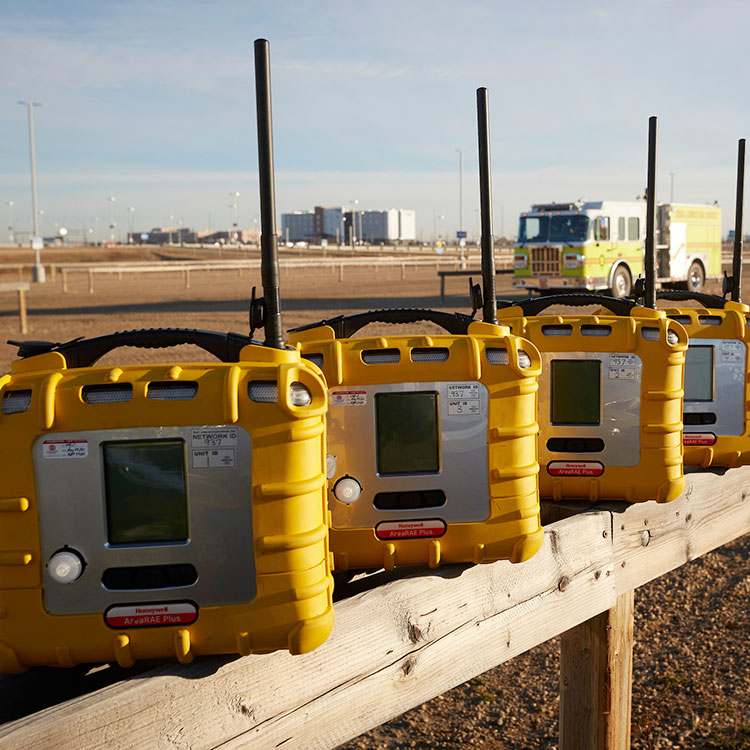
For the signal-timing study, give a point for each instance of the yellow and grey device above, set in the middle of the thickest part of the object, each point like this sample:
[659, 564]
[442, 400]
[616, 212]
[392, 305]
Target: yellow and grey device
[717, 429]
[431, 441]
[161, 510]
[610, 398]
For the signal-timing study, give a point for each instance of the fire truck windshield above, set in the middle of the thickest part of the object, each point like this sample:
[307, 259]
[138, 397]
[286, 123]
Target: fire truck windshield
[533, 229]
[569, 228]
[556, 228]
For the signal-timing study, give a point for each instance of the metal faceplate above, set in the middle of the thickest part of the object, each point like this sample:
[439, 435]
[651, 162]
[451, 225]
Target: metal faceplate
[730, 368]
[620, 410]
[463, 474]
[72, 512]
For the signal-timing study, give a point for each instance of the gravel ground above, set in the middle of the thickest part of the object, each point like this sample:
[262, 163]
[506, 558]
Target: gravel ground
[691, 675]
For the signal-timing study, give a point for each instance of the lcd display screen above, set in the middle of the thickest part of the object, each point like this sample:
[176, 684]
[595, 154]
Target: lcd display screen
[576, 391]
[145, 491]
[408, 433]
[699, 373]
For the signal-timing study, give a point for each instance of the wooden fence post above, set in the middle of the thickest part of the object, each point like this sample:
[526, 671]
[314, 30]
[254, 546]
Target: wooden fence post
[596, 680]
[22, 310]
[91, 282]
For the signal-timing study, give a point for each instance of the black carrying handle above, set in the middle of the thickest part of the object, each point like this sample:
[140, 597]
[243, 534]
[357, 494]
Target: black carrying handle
[535, 305]
[345, 326]
[707, 300]
[82, 352]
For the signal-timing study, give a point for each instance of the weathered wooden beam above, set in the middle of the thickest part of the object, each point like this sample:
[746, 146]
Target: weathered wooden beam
[392, 648]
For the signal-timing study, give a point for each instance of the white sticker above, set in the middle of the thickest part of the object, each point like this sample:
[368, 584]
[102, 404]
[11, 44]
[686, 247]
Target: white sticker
[214, 438]
[463, 390]
[622, 373]
[65, 448]
[213, 458]
[732, 352]
[622, 360]
[463, 407]
[348, 398]
[622, 366]
[330, 465]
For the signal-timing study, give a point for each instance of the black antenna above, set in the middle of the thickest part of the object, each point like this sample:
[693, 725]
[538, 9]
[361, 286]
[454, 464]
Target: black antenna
[485, 194]
[269, 249]
[649, 260]
[738, 238]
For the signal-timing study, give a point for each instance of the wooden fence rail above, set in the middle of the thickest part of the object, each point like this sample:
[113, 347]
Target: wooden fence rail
[397, 645]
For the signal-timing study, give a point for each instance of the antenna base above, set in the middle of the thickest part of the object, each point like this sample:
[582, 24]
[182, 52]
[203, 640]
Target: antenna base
[727, 285]
[257, 312]
[475, 296]
[639, 291]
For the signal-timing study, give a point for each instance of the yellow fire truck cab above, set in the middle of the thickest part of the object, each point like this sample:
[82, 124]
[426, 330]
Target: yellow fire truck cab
[599, 245]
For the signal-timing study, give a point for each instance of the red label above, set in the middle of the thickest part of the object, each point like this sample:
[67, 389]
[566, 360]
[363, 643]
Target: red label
[575, 468]
[698, 438]
[151, 615]
[410, 529]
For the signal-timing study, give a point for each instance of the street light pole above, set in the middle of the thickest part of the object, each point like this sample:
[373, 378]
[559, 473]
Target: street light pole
[131, 239]
[111, 201]
[11, 235]
[234, 197]
[36, 242]
[460, 190]
[354, 222]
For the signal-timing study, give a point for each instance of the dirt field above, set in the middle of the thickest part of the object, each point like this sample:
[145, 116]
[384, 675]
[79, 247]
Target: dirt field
[215, 300]
[692, 658]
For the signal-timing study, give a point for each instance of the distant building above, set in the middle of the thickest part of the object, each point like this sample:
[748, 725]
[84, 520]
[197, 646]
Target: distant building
[164, 236]
[327, 225]
[335, 225]
[391, 225]
[298, 226]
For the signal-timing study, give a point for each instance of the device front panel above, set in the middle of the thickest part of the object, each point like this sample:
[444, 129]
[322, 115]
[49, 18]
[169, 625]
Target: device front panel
[715, 373]
[589, 411]
[414, 450]
[153, 514]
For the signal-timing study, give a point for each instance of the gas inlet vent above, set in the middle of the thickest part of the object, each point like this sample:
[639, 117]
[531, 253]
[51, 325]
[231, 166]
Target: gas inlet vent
[106, 393]
[380, 356]
[557, 330]
[652, 334]
[15, 402]
[316, 359]
[429, 354]
[595, 330]
[500, 357]
[263, 391]
[172, 391]
[684, 319]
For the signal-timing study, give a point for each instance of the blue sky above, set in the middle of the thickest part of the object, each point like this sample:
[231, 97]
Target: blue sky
[153, 102]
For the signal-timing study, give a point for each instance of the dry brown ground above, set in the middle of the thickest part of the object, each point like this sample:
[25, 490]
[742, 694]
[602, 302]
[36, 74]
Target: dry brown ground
[692, 654]
[215, 300]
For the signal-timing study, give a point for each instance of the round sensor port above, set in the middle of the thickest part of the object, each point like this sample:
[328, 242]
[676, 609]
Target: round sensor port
[65, 566]
[347, 490]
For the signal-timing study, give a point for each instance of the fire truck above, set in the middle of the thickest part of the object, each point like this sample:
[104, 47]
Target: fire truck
[592, 245]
